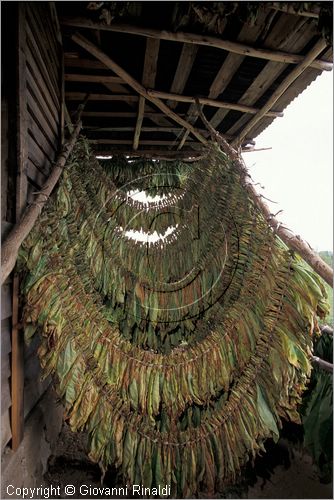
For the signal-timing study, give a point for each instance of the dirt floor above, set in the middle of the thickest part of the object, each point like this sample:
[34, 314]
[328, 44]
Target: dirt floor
[285, 472]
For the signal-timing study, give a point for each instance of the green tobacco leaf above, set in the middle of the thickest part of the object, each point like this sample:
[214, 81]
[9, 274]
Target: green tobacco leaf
[265, 413]
[157, 350]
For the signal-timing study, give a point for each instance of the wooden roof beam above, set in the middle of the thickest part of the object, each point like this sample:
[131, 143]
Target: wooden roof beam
[285, 35]
[73, 59]
[166, 130]
[211, 41]
[121, 114]
[295, 73]
[150, 62]
[128, 142]
[183, 70]
[148, 80]
[109, 114]
[79, 96]
[290, 9]
[226, 72]
[139, 122]
[118, 70]
[71, 77]
[78, 62]
[211, 102]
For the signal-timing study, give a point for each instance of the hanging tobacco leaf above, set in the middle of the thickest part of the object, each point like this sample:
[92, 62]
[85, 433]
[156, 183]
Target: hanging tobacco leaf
[180, 356]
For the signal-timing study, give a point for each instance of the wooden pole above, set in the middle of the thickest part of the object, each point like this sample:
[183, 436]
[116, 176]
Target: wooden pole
[148, 142]
[183, 70]
[94, 50]
[21, 229]
[211, 41]
[290, 239]
[132, 129]
[205, 101]
[71, 77]
[255, 150]
[148, 80]
[17, 352]
[110, 114]
[295, 73]
[139, 122]
[79, 96]
[17, 371]
[121, 114]
[158, 154]
[325, 365]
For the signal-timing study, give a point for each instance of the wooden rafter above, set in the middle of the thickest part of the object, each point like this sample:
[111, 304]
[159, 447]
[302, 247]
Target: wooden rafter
[140, 116]
[79, 96]
[73, 59]
[231, 65]
[185, 64]
[122, 114]
[148, 80]
[211, 41]
[285, 35]
[150, 62]
[129, 142]
[166, 130]
[78, 62]
[295, 73]
[226, 72]
[161, 154]
[118, 70]
[71, 77]
[290, 9]
[210, 102]
[109, 114]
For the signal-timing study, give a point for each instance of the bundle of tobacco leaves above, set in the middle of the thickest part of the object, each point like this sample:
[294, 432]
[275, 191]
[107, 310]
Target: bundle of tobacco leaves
[179, 356]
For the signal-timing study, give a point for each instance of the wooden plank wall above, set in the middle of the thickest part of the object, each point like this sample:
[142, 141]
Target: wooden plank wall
[43, 88]
[30, 142]
[8, 200]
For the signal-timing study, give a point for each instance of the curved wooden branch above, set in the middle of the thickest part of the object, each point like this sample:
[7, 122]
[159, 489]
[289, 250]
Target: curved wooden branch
[290, 239]
[21, 230]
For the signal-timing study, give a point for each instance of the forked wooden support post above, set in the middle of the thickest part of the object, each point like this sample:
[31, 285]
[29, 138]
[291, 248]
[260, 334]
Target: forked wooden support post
[23, 227]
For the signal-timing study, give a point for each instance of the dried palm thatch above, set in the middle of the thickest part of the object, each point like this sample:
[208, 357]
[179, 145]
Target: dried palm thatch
[178, 357]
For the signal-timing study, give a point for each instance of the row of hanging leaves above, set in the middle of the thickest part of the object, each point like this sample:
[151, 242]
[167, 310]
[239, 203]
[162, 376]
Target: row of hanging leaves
[187, 412]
